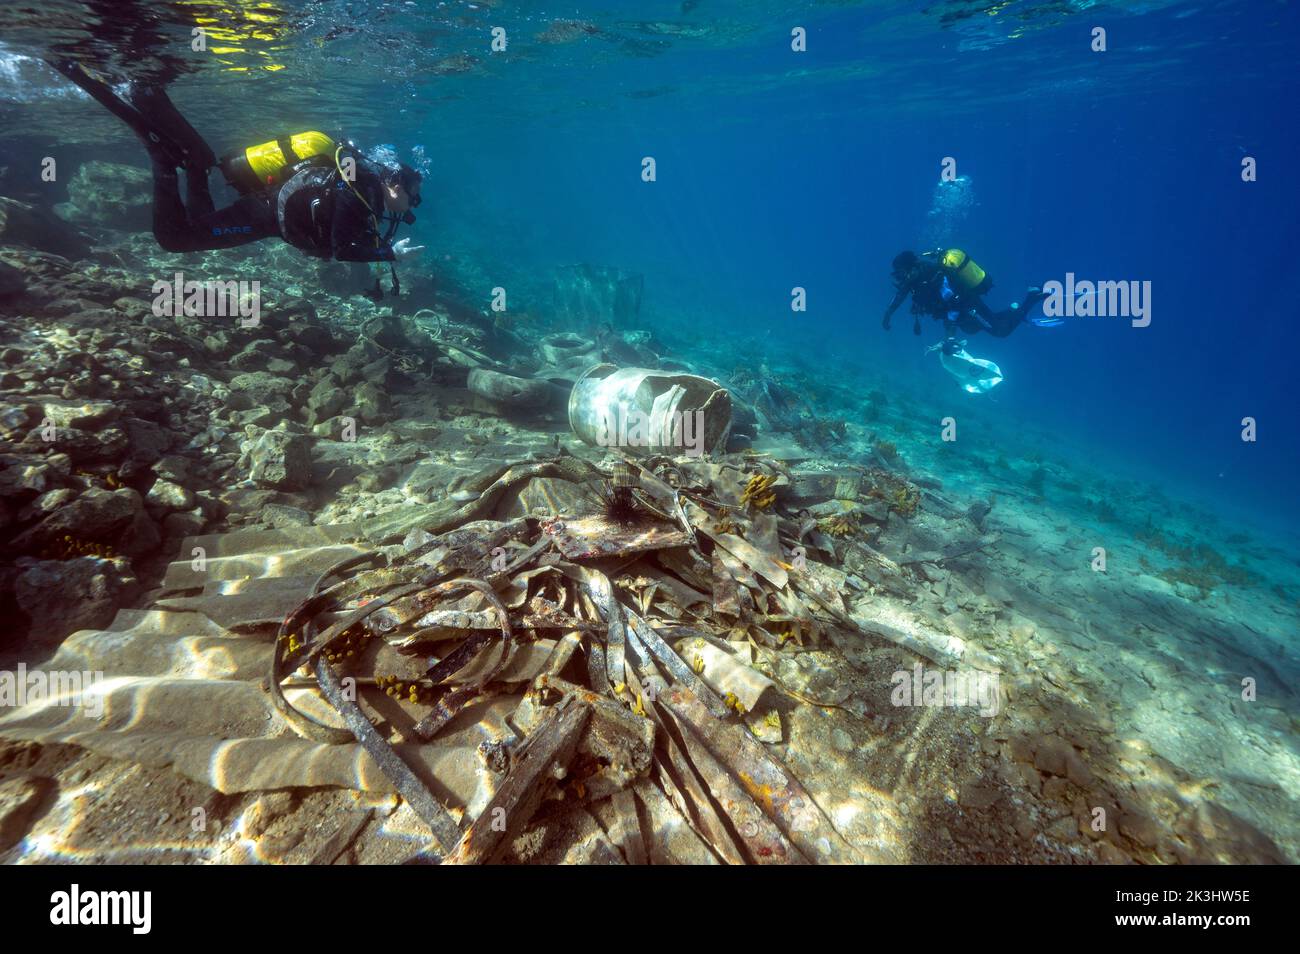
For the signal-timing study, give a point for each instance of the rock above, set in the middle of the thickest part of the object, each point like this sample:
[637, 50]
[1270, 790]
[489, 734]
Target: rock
[1138, 826]
[63, 596]
[109, 194]
[380, 373]
[370, 404]
[237, 401]
[261, 415]
[1064, 829]
[416, 539]
[92, 414]
[346, 368]
[314, 338]
[172, 468]
[263, 387]
[325, 401]
[23, 224]
[841, 741]
[510, 391]
[256, 355]
[21, 800]
[376, 481]
[24, 476]
[46, 504]
[977, 794]
[169, 496]
[279, 516]
[140, 538]
[134, 308]
[1051, 755]
[1056, 788]
[933, 573]
[274, 848]
[387, 330]
[1077, 770]
[959, 624]
[97, 516]
[17, 419]
[12, 281]
[189, 523]
[278, 460]
[265, 811]
[218, 343]
[210, 506]
[1108, 854]
[90, 447]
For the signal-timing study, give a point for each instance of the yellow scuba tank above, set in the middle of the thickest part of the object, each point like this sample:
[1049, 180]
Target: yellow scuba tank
[964, 270]
[268, 164]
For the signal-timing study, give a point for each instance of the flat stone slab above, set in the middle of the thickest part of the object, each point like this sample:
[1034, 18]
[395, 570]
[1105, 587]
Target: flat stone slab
[235, 603]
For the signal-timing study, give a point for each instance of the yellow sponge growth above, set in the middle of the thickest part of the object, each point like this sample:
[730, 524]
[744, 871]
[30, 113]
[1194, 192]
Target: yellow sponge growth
[760, 492]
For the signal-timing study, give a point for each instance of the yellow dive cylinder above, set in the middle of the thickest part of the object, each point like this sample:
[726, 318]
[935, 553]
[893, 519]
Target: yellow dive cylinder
[268, 164]
[962, 268]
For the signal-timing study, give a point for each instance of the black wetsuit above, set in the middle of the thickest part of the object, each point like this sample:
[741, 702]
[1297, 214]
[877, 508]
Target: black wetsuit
[934, 295]
[315, 211]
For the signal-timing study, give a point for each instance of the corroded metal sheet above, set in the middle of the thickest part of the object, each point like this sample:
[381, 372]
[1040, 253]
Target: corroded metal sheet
[591, 538]
[544, 758]
[768, 783]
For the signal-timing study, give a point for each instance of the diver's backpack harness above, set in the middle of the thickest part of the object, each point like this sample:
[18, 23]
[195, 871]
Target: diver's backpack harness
[311, 240]
[377, 292]
[307, 159]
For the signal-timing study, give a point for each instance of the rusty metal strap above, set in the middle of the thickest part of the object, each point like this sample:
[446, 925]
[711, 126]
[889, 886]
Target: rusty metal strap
[549, 750]
[444, 710]
[390, 763]
[317, 643]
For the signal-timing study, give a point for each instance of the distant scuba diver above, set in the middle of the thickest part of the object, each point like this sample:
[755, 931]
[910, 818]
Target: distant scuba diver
[948, 286]
[293, 187]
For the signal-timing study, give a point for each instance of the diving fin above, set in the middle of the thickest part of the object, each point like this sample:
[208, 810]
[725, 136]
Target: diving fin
[1032, 297]
[148, 111]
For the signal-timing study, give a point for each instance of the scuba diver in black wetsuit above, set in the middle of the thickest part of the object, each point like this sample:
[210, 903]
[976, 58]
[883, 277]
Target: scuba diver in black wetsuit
[321, 197]
[948, 286]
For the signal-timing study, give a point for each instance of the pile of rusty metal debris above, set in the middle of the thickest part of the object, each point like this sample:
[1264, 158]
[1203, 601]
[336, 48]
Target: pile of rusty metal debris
[559, 638]
[629, 619]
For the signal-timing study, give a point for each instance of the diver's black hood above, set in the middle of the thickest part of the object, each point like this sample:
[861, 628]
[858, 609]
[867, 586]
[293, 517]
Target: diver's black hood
[904, 262]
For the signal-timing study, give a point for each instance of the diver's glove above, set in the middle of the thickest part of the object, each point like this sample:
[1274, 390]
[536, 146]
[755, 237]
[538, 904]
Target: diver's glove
[403, 248]
[885, 324]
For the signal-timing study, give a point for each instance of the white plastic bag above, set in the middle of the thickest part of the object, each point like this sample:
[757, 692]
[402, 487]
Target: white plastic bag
[975, 375]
